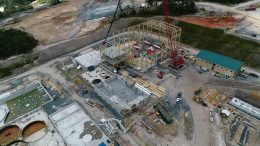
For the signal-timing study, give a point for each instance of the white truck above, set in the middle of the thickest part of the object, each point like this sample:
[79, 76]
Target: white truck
[211, 115]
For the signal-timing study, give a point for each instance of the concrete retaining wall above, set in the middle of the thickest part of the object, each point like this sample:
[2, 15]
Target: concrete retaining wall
[21, 92]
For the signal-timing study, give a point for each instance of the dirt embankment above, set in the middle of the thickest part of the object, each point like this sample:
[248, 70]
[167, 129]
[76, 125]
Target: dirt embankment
[212, 22]
[53, 24]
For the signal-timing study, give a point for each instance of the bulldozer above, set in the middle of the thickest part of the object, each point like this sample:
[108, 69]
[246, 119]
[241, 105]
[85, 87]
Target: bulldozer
[197, 99]
[196, 96]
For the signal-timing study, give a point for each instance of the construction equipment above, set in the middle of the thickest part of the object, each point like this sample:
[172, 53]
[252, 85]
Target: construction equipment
[196, 96]
[211, 115]
[160, 75]
[162, 109]
[109, 126]
[91, 102]
[111, 23]
[197, 99]
[176, 59]
[198, 91]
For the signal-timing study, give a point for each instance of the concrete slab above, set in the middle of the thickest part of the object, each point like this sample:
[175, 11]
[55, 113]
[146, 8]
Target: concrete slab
[98, 73]
[40, 138]
[76, 127]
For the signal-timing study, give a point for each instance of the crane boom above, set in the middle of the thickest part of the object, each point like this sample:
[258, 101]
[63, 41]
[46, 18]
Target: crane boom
[111, 23]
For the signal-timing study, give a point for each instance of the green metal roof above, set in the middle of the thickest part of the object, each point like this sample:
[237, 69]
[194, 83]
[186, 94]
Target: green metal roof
[221, 60]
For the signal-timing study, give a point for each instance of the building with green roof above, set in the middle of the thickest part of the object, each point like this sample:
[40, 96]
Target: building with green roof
[219, 63]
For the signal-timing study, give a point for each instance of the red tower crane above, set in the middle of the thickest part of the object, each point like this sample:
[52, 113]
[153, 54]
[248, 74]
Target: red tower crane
[176, 60]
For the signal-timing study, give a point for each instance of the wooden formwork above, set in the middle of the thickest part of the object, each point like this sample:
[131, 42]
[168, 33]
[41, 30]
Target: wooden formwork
[158, 91]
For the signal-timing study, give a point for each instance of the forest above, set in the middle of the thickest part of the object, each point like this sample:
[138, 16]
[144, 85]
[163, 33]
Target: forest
[14, 42]
[226, 1]
[14, 6]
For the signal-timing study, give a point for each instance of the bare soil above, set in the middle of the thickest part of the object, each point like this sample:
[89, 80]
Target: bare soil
[54, 24]
[212, 22]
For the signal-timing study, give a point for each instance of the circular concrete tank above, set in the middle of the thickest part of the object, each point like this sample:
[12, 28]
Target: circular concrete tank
[30, 130]
[9, 134]
[96, 81]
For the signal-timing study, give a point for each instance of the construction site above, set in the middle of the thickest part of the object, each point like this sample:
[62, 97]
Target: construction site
[138, 86]
[136, 77]
[136, 89]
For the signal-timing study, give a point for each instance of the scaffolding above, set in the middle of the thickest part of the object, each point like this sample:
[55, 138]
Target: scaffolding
[145, 44]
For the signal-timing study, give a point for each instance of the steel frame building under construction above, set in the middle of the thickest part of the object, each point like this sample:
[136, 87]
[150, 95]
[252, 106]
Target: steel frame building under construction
[142, 45]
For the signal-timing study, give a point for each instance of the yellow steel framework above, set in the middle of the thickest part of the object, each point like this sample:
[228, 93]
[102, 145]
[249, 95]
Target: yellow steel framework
[147, 31]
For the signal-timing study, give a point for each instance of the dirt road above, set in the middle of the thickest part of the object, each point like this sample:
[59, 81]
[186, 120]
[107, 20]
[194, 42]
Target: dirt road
[220, 7]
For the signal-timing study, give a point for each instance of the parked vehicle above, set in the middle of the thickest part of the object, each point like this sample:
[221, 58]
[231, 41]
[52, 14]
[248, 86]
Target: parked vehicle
[217, 75]
[179, 95]
[160, 75]
[91, 102]
[186, 56]
[224, 113]
[211, 115]
[253, 75]
[204, 69]
[244, 75]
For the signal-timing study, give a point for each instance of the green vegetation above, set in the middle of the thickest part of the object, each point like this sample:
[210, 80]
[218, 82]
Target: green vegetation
[14, 6]
[14, 42]
[218, 41]
[71, 73]
[176, 8]
[182, 7]
[23, 104]
[52, 2]
[45, 1]
[225, 1]
[7, 71]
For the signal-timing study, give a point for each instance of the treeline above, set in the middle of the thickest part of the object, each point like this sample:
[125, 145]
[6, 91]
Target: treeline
[182, 7]
[14, 6]
[226, 1]
[15, 42]
[155, 7]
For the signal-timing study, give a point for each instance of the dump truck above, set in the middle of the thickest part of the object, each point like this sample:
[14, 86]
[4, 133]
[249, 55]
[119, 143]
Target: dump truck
[211, 115]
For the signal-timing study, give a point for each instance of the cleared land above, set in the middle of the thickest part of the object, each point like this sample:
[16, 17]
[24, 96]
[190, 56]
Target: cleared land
[57, 23]
[211, 22]
[23, 104]
[218, 41]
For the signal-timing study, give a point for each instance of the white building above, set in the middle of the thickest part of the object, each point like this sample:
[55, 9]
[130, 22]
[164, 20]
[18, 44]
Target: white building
[88, 59]
[245, 107]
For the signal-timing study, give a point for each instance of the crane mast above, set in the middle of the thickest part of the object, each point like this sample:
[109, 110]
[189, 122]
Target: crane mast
[176, 60]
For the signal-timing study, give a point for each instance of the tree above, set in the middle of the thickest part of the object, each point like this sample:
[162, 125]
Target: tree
[150, 2]
[14, 42]
[182, 7]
